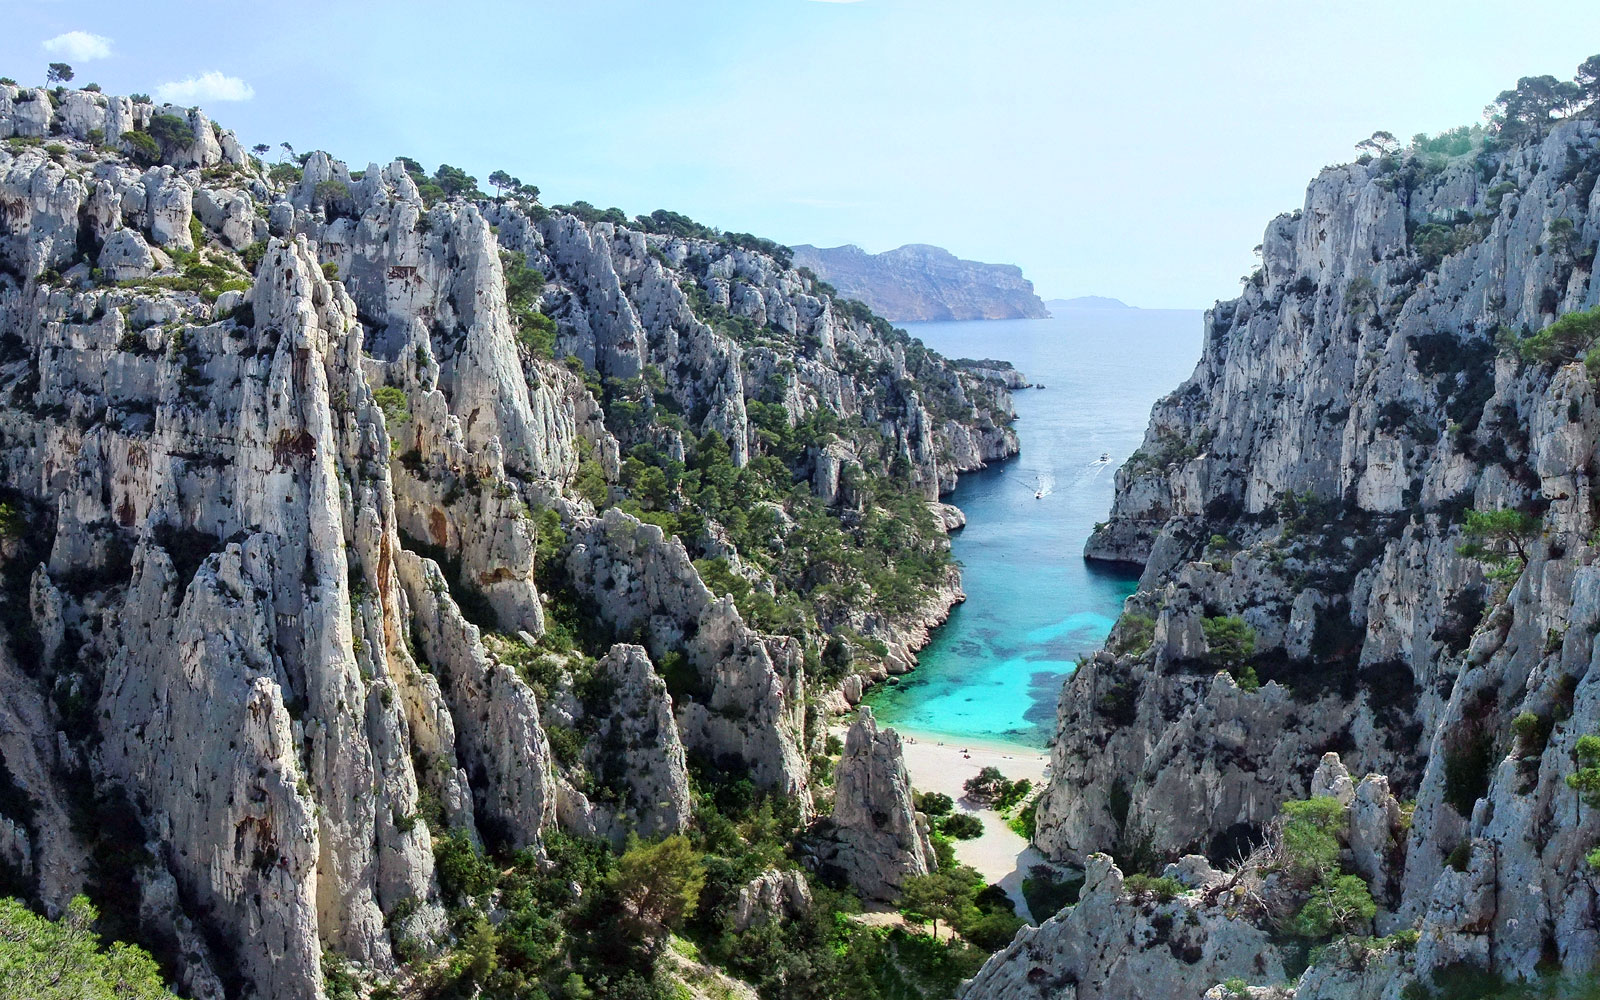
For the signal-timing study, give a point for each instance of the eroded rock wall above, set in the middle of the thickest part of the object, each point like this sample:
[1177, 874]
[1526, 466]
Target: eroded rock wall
[1311, 478]
[279, 475]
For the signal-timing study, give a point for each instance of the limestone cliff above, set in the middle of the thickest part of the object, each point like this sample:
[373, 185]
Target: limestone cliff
[879, 839]
[315, 560]
[919, 282]
[1300, 510]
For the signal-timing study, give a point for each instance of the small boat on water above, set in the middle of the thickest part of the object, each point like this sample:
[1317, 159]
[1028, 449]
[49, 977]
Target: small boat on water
[1105, 456]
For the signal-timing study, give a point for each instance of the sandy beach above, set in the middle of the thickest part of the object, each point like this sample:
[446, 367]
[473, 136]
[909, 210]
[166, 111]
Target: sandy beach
[936, 764]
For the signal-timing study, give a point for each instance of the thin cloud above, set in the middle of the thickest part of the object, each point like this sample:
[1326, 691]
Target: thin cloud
[79, 46]
[212, 86]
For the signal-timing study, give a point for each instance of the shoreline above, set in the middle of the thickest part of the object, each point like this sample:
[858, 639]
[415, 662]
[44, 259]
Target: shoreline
[919, 736]
[1001, 855]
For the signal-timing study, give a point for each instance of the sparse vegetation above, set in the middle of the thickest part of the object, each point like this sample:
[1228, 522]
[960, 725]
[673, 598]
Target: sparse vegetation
[1163, 890]
[1230, 643]
[1585, 779]
[1499, 539]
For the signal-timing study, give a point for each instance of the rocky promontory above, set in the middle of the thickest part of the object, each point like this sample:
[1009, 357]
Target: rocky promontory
[918, 282]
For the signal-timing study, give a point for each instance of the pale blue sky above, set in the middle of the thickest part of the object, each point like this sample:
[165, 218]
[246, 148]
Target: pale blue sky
[1128, 149]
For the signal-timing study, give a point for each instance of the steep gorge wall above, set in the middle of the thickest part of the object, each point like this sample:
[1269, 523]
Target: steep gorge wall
[276, 624]
[1311, 478]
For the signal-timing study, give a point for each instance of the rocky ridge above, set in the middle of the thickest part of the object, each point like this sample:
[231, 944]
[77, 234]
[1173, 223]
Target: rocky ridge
[918, 282]
[1300, 508]
[312, 556]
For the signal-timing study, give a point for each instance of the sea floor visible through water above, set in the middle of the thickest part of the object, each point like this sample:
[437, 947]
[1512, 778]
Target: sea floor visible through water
[993, 673]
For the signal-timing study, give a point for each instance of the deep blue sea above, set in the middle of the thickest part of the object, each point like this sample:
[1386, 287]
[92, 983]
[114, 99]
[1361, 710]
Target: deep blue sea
[1034, 607]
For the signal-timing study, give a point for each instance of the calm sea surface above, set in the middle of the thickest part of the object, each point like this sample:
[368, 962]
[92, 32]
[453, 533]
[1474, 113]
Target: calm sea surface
[993, 672]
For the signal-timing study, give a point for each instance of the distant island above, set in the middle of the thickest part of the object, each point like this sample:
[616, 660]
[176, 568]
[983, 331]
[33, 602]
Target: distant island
[920, 282]
[1087, 302]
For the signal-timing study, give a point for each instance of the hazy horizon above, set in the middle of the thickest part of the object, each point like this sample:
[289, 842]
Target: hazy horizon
[1135, 153]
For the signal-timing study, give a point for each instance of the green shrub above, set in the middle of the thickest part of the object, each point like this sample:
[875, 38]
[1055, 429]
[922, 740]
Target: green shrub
[1048, 891]
[934, 803]
[991, 931]
[1230, 640]
[987, 786]
[171, 131]
[1135, 632]
[1585, 780]
[1567, 339]
[1499, 539]
[253, 254]
[1533, 732]
[962, 826]
[13, 523]
[1311, 832]
[142, 147]
[657, 885]
[566, 743]
[1163, 889]
[1339, 905]
[1025, 823]
[331, 191]
[65, 960]
[463, 872]
[1012, 793]
[392, 401]
[590, 483]
[338, 981]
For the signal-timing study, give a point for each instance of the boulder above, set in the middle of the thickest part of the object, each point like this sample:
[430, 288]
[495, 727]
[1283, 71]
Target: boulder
[126, 256]
[772, 895]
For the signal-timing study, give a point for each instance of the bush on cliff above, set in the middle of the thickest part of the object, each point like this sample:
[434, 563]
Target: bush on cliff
[1500, 540]
[935, 803]
[1311, 832]
[1566, 340]
[1337, 906]
[1230, 643]
[65, 960]
[1585, 780]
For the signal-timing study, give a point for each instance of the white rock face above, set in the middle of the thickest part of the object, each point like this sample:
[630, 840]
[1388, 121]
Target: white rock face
[1111, 947]
[1311, 478]
[1124, 941]
[881, 839]
[772, 895]
[280, 542]
[747, 705]
[125, 256]
[636, 748]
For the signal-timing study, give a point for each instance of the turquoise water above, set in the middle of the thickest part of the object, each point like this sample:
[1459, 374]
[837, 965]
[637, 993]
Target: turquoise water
[994, 670]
